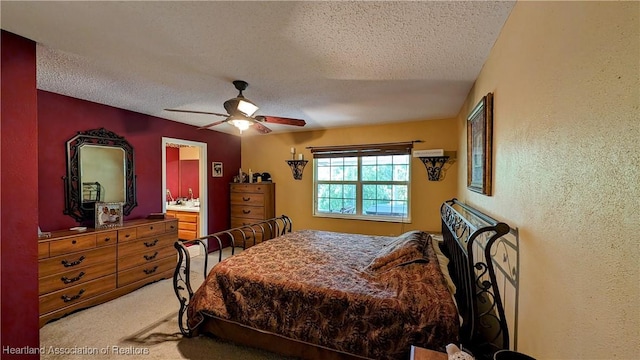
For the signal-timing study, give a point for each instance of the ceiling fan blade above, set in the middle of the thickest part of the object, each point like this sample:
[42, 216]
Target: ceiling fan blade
[261, 128]
[281, 120]
[213, 124]
[196, 112]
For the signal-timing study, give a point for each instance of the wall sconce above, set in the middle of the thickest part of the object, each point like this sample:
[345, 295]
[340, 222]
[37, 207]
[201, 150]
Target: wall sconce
[434, 166]
[434, 161]
[297, 167]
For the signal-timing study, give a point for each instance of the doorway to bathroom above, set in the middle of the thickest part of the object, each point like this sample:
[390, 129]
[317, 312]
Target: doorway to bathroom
[184, 185]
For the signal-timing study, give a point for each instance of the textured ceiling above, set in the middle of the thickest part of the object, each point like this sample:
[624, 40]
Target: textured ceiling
[332, 64]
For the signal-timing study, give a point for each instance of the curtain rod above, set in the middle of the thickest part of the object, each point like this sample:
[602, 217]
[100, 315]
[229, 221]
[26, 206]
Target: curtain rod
[361, 146]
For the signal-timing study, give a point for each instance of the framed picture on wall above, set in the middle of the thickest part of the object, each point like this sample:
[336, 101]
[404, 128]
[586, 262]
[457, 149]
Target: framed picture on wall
[479, 146]
[216, 169]
[108, 214]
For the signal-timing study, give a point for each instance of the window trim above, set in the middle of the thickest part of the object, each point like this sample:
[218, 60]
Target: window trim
[359, 188]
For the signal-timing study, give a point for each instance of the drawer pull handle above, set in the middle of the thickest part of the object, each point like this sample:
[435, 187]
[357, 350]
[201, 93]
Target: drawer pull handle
[74, 242]
[107, 239]
[150, 271]
[150, 227]
[150, 257]
[73, 263]
[66, 298]
[246, 199]
[147, 244]
[67, 280]
[246, 211]
[127, 235]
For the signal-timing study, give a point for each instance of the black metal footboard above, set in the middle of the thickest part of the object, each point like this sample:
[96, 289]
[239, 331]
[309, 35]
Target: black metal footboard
[238, 237]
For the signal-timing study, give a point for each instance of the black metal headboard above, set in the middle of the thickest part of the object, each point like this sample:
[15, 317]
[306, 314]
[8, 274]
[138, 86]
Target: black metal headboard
[476, 244]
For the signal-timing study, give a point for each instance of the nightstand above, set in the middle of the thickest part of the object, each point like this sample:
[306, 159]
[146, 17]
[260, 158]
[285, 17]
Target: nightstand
[418, 353]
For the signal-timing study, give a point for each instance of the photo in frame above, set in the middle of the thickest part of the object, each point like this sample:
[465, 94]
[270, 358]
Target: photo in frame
[216, 169]
[479, 146]
[108, 214]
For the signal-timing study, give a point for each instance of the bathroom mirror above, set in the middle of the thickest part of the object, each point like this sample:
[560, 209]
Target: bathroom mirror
[100, 168]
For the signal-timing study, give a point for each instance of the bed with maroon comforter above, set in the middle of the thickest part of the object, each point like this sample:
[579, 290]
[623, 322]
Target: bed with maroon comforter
[371, 296]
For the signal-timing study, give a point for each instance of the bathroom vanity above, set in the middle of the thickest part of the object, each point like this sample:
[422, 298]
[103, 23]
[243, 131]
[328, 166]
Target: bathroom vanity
[188, 220]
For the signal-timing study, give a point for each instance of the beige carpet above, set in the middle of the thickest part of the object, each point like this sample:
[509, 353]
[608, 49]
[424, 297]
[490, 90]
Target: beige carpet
[140, 325]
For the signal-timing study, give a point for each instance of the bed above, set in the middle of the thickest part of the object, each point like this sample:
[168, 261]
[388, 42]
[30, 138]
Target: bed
[326, 295]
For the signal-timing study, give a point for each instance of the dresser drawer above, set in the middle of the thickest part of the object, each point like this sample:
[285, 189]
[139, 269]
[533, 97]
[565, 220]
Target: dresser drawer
[250, 188]
[149, 230]
[259, 235]
[130, 261]
[238, 222]
[75, 261]
[249, 239]
[146, 244]
[248, 212]
[72, 244]
[171, 226]
[188, 226]
[127, 234]
[43, 250]
[187, 234]
[184, 217]
[107, 238]
[146, 271]
[247, 199]
[75, 277]
[77, 293]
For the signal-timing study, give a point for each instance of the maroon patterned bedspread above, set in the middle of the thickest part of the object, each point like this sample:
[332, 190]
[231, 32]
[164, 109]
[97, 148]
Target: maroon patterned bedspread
[372, 296]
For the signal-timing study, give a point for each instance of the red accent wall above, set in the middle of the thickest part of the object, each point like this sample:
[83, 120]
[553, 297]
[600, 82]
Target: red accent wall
[19, 196]
[61, 117]
[173, 171]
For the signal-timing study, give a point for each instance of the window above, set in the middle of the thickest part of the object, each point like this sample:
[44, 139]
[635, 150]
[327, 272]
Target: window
[365, 185]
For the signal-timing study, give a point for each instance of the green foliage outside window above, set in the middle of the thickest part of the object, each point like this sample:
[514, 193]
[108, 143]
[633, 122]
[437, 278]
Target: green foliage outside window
[370, 186]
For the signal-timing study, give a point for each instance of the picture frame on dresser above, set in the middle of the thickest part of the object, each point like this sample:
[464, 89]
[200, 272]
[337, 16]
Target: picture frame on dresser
[108, 215]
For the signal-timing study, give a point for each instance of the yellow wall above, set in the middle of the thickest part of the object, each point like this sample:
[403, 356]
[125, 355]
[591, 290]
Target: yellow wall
[565, 76]
[267, 153]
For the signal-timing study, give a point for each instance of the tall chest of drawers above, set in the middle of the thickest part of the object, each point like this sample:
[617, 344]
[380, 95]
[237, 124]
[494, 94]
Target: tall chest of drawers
[82, 269]
[252, 203]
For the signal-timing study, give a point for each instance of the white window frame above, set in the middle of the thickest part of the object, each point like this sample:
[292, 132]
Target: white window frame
[359, 215]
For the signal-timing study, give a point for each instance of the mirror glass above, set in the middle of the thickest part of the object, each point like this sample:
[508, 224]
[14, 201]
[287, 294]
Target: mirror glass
[100, 168]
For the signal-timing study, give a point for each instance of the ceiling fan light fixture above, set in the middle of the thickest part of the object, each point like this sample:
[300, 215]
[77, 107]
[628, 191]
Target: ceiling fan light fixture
[240, 106]
[246, 107]
[240, 113]
[241, 124]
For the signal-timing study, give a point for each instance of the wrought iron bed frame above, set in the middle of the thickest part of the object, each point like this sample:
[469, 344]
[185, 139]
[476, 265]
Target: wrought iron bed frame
[476, 244]
[469, 239]
[182, 282]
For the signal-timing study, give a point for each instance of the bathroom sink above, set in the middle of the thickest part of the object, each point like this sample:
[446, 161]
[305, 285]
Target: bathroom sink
[187, 206]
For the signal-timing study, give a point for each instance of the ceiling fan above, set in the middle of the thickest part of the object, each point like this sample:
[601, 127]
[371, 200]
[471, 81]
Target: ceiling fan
[240, 112]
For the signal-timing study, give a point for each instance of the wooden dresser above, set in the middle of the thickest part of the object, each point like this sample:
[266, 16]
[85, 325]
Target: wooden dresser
[188, 224]
[251, 203]
[82, 269]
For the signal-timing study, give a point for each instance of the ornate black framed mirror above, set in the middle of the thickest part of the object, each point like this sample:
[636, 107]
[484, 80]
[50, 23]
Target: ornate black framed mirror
[100, 168]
